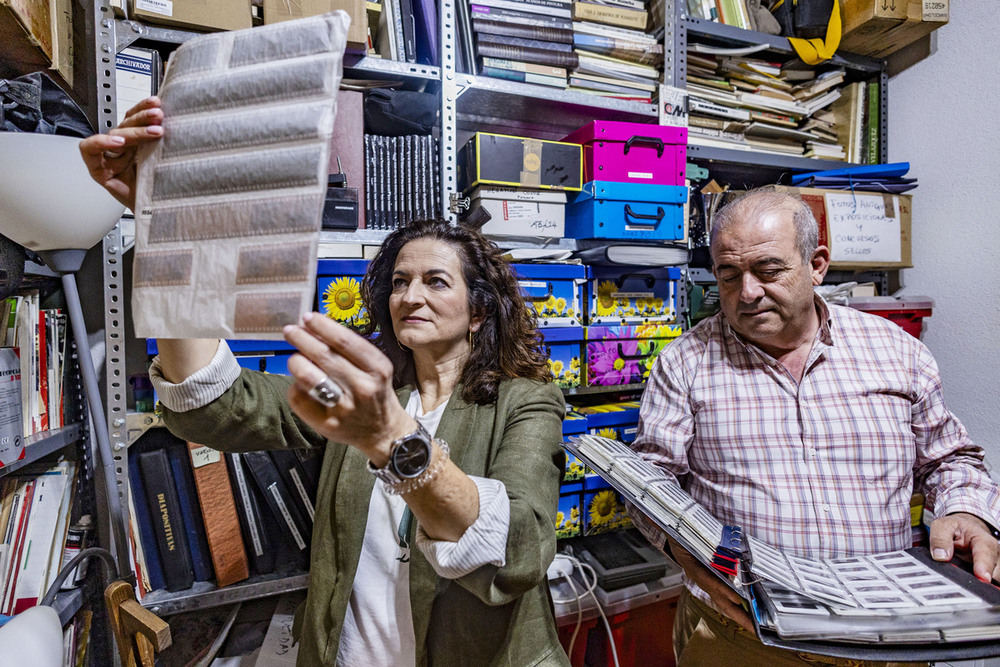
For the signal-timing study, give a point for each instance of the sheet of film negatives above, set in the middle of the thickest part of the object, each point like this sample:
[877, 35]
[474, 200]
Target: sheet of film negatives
[658, 494]
[894, 580]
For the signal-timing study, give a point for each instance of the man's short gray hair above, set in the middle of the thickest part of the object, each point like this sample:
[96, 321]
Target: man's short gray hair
[758, 203]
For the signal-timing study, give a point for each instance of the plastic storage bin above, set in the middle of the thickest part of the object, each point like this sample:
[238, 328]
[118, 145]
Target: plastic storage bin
[627, 211]
[908, 312]
[632, 152]
[631, 295]
[553, 292]
[564, 348]
[624, 355]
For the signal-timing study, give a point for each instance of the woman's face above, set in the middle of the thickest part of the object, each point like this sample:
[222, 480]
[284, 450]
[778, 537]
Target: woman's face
[429, 301]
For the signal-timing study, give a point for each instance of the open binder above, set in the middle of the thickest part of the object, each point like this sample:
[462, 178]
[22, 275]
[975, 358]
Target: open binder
[899, 606]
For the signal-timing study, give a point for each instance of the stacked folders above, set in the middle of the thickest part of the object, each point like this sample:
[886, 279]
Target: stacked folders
[887, 606]
[201, 515]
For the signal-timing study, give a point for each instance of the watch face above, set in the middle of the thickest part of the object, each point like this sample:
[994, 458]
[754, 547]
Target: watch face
[411, 457]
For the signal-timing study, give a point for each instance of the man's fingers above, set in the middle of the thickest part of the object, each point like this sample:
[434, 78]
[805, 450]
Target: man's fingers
[985, 552]
[942, 538]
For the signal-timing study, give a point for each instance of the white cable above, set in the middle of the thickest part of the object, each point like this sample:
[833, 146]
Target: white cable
[579, 615]
[600, 610]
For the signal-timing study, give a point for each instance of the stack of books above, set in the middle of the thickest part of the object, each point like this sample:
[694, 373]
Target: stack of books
[530, 41]
[754, 104]
[617, 57]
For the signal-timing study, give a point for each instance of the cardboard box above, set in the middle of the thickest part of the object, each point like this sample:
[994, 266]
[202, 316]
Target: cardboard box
[499, 159]
[863, 230]
[515, 212]
[276, 11]
[195, 14]
[37, 34]
[876, 28]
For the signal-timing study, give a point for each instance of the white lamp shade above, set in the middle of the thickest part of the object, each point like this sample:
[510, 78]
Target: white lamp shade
[33, 637]
[47, 199]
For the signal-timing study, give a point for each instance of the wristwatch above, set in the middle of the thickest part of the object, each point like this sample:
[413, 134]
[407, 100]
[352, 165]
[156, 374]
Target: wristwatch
[409, 457]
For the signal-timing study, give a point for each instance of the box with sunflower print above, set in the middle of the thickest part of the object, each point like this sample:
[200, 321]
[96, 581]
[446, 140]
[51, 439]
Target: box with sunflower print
[604, 510]
[617, 421]
[338, 290]
[632, 295]
[568, 518]
[563, 347]
[624, 355]
[574, 424]
[553, 292]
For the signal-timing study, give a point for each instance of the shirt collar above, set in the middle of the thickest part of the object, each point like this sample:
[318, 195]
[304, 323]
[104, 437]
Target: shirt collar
[824, 336]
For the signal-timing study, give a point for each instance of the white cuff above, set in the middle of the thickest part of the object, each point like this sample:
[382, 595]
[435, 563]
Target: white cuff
[200, 388]
[483, 543]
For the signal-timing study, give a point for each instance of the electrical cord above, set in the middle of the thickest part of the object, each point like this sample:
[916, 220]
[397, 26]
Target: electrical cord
[557, 570]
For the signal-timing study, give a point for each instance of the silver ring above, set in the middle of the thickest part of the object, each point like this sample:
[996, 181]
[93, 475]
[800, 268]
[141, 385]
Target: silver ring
[327, 392]
[112, 155]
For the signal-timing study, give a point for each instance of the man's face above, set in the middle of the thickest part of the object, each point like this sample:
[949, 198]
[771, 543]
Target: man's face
[765, 289]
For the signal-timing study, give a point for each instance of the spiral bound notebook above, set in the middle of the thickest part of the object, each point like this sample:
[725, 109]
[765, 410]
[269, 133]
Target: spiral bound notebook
[899, 605]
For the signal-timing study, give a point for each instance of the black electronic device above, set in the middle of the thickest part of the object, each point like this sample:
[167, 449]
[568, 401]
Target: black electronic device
[340, 210]
[621, 559]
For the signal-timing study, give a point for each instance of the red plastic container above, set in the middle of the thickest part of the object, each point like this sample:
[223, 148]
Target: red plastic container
[908, 312]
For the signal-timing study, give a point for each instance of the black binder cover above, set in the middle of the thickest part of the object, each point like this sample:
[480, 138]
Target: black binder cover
[168, 523]
[259, 549]
[278, 498]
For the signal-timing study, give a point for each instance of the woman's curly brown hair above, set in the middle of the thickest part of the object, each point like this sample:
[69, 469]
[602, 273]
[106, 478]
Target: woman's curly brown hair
[507, 344]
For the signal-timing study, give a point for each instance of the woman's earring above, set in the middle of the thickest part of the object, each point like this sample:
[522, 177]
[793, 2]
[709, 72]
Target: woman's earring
[472, 342]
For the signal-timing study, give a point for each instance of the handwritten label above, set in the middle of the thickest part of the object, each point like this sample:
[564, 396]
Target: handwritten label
[203, 456]
[863, 228]
[673, 108]
[164, 7]
[520, 210]
[935, 10]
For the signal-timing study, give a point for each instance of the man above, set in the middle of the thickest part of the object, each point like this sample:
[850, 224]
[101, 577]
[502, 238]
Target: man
[808, 424]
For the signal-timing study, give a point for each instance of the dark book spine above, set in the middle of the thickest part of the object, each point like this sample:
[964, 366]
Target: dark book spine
[522, 42]
[187, 496]
[513, 17]
[168, 523]
[296, 480]
[529, 55]
[259, 549]
[537, 6]
[278, 498]
[144, 527]
[526, 31]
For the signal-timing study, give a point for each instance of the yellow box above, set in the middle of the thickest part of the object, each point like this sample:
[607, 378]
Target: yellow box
[276, 11]
[194, 14]
[876, 28]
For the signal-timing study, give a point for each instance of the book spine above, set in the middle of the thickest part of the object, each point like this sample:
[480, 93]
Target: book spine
[285, 460]
[514, 16]
[539, 44]
[525, 77]
[259, 549]
[218, 511]
[874, 126]
[187, 496]
[545, 70]
[168, 523]
[547, 7]
[556, 58]
[277, 497]
[629, 18]
[144, 525]
[526, 30]
[617, 48]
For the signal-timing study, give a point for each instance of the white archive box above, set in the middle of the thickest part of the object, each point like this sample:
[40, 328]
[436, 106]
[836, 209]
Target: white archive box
[516, 212]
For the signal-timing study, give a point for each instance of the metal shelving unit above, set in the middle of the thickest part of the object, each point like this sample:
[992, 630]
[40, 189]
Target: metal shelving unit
[40, 445]
[204, 595]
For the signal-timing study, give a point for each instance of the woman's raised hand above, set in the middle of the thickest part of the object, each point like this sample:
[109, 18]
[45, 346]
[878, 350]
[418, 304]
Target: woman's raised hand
[361, 408]
[110, 158]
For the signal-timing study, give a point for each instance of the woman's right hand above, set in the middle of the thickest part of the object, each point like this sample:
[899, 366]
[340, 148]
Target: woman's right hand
[110, 158]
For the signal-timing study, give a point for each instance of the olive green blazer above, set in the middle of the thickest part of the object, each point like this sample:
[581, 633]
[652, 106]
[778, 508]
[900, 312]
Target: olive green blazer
[491, 616]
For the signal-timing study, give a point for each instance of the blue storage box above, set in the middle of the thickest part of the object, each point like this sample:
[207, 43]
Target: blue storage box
[604, 511]
[553, 292]
[568, 519]
[564, 348]
[269, 356]
[613, 420]
[338, 290]
[631, 295]
[609, 210]
[624, 355]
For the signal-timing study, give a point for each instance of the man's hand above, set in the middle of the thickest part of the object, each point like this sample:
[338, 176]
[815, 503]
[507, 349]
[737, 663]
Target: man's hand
[966, 534]
[725, 598]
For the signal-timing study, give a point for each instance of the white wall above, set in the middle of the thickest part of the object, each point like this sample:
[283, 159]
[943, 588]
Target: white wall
[944, 118]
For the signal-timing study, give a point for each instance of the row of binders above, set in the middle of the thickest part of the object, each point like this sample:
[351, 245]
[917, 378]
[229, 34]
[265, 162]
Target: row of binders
[199, 515]
[402, 177]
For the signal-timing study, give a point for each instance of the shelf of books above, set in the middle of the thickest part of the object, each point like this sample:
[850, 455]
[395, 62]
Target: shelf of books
[745, 155]
[204, 594]
[40, 445]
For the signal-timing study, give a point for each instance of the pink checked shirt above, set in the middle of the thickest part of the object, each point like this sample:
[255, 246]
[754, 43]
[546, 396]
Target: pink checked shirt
[822, 468]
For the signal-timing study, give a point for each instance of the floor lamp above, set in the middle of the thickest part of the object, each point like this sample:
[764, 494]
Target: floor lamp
[49, 204]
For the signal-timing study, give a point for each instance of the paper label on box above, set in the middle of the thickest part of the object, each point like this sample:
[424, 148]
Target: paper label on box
[532, 284]
[514, 210]
[203, 456]
[863, 228]
[935, 10]
[632, 295]
[162, 7]
[640, 174]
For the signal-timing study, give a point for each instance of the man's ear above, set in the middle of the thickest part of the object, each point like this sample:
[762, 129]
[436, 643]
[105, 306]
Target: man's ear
[820, 264]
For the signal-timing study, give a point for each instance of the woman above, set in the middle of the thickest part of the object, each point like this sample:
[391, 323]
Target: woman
[447, 418]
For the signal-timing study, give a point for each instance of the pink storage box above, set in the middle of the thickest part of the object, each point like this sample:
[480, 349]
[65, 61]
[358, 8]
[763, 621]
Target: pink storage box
[632, 152]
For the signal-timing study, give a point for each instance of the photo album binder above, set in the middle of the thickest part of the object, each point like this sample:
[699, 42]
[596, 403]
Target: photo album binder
[900, 605]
